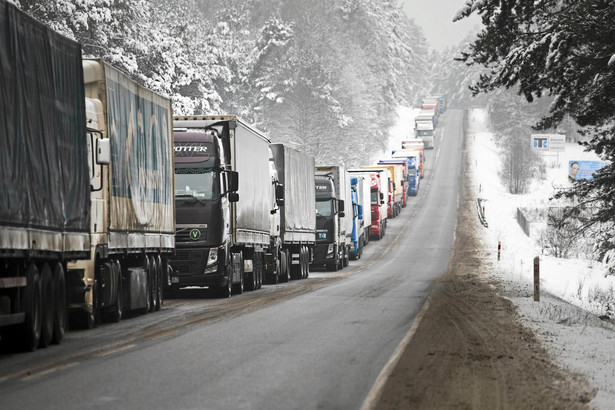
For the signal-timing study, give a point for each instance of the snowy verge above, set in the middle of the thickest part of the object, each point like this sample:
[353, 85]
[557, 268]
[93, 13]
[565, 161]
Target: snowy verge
[574, 292]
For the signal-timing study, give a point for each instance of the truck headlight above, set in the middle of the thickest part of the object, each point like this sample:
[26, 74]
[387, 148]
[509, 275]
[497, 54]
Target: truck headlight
[330, 249]
[212, 257]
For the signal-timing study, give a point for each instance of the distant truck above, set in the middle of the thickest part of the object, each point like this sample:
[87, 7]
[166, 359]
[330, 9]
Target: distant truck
[416, 145]
[441, 101]
[132, 200]
[393, 194]
[424, 131]
[414, 164]
[44, 178]
[226, 193]
[297, 219]
[401, 165]
[379, 192]
[333, 220]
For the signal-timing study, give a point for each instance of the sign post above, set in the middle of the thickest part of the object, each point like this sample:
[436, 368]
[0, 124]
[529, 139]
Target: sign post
[537, 279]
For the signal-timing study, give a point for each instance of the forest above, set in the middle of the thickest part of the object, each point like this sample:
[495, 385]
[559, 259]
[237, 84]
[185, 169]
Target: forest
[321, 76]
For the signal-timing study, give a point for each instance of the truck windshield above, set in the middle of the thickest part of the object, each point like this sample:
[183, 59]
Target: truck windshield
[424, 133]
[201, 183]
[324, 208]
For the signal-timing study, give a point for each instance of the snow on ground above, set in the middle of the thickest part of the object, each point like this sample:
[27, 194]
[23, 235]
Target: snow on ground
[574, 292]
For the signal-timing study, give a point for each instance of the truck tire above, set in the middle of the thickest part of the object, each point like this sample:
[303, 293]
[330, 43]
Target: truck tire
[226, 291]
[252, 282]
[159, 282]
[47, 306]
[148, 288]
[60, 313]
[307, 262]
[238, 288]
[151, 283]
[31, 306]
[113, 314]
[284, 270]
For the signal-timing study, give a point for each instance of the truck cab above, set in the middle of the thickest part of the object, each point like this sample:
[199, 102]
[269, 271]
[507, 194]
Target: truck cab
[205, 187]
[329, 249]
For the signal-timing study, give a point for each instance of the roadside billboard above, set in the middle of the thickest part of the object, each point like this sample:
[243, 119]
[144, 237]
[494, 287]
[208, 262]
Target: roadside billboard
[548, 142]
[583, 170]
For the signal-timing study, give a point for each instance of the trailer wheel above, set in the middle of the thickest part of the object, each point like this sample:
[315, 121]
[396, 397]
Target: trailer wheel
[148, 287]
[159, 282]
[307, 262]
[113, 314]
[47, 306]
[151, 282]
[261, 270]
[284, 271]
[31, 306]
[60, 312]
[251, 283]
[238, 288]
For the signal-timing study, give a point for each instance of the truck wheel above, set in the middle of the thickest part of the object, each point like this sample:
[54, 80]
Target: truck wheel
[307, 262]
[227, 290]
[31, 306]
[261, 269]
[148, 288]
[151, 282]
[238, 288]
[159, 282]
[251, 278]
[60, 312]
[114, 313]
[284, 271]
[47, 306]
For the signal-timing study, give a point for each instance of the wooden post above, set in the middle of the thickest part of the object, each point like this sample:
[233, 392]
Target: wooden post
[537, 279]
[499, 249]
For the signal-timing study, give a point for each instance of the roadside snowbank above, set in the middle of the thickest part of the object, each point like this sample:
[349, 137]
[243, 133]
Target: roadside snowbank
[574, 292]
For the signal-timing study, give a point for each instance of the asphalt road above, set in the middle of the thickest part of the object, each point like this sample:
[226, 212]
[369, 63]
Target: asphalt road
[318, 343]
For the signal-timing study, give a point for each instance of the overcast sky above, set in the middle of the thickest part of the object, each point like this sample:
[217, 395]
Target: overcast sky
[436, 19]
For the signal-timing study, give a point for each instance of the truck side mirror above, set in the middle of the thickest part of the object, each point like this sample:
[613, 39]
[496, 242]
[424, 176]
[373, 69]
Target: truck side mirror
[381, 196]
[360, 211]
[233, 197]
[233, 182]
[279, 194]
[103, 151]
[340, 205]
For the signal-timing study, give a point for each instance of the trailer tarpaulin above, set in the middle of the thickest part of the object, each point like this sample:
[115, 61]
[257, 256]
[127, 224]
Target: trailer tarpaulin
[44, 179]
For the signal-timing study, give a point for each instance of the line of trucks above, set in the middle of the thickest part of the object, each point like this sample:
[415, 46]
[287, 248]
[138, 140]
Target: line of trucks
[109, 203]
[427, 118]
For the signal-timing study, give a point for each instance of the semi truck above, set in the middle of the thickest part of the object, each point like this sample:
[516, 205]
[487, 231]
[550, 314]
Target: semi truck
[333, 221]
[401, 166]
[379, 193]
[425, 131]
[416, 145]
[86, 210]
[297, 237]
[415, 166]
[361, 197]
[391, 191]
[227, 198]
[44, 178]
[132, 199]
